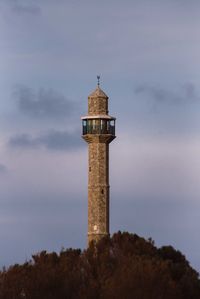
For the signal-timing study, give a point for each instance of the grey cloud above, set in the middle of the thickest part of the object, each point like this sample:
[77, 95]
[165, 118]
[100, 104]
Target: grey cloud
[23, 141]
[2, 168]
[56, 140]
[190, 91]
[186, 94]
[43, 104]
[52, 140]
[19, 7]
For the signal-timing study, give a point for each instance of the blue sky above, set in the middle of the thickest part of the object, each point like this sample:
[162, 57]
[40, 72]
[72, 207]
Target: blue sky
[147, 53]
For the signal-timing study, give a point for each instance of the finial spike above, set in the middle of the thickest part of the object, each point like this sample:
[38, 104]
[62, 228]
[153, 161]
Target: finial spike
[98, 80]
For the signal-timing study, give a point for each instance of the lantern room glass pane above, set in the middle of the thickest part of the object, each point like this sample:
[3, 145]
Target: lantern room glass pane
[98, 126]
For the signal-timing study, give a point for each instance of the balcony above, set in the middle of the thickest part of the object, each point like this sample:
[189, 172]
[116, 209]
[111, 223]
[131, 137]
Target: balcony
[99, 126]
[107, 128]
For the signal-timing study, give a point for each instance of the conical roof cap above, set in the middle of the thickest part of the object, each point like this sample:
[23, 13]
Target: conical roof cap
[98, 93]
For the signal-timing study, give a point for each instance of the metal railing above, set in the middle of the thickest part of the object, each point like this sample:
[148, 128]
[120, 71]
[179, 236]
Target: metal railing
[98, 130]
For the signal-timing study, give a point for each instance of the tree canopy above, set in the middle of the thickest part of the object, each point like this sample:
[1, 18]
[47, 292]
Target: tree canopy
[121, 267]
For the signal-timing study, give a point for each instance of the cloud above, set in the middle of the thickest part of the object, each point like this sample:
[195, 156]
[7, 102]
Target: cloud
[52, 140]
[42, 104]
[23, 141]
[190, 91]
[30, 9]
[56, 140]
[22, 7]
[3, 168]
[187, 94]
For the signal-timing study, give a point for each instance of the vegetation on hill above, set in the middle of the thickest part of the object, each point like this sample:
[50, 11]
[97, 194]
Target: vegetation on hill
[122, 267]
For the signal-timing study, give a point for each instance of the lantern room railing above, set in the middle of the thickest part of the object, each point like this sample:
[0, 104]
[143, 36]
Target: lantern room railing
[98, 129]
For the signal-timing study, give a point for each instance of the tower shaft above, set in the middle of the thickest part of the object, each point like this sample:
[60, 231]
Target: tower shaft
[98, 191]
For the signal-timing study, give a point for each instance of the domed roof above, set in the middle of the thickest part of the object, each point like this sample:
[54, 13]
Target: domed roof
[98, 93]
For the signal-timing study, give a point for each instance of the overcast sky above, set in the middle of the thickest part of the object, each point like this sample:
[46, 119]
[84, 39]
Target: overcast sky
[147, 53]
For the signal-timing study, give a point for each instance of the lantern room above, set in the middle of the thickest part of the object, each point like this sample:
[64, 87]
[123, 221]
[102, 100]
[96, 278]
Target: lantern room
[98, 124]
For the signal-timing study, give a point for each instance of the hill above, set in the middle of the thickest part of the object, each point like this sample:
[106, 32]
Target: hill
[121, 267]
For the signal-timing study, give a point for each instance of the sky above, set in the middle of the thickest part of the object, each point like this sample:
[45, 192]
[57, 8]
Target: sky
[147, 53]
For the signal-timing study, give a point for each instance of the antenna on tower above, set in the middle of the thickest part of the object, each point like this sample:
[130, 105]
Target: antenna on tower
[98, 80]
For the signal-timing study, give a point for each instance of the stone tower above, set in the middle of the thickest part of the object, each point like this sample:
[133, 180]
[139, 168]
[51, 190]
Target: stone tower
[98, 132]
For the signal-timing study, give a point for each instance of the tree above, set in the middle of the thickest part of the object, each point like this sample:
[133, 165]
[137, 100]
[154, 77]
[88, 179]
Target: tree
[123, 266]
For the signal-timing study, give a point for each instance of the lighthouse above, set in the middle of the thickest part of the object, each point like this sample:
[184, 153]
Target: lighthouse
[98, 131]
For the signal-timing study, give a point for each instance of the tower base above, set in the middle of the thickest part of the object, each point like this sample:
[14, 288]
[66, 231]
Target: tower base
[96, 237]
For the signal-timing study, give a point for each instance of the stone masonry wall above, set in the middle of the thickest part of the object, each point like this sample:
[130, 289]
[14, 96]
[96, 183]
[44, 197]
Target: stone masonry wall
[98, 191]
[97, 106]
